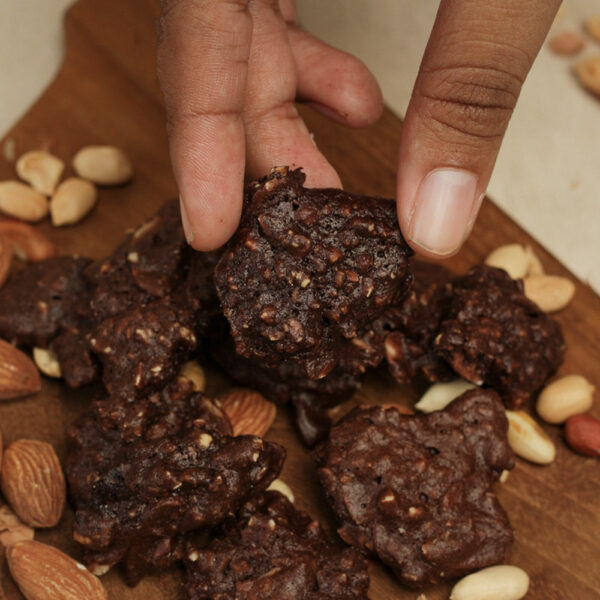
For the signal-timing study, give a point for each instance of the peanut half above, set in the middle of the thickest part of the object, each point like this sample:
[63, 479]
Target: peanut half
[439, 395]
[501, 582]
[565, 397]
[41, 170]
[104, 165]
[22, 202]
[72, 201]
[280, 486]
[47, 362]
[513, 258]
[549, 292]
[193, 371]
[527, 439]
[28, 244]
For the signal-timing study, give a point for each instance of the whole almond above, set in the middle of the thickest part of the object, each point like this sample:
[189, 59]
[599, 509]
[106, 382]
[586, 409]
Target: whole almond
[41, 170]
[549, 292]
[592, 26]
[439, 395]
[587, 72]
[45, 573]
[501, 582]
[249, 412]
[583, 434]
[527, 439]
[104, 165]
[283, 488]
[513, 258]
[72, 201]
[18, 375]
[567, 43]
[6, 254]
[22, 202]
[27, 243]
[47, 362]
[33, 482]
[565, 397]
[193, 372]
[12, 529]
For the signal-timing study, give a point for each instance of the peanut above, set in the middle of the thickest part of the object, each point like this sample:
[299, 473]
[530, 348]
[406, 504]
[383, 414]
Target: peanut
[439, 395]
[565, 397]
[527, 439]
[22, 202]
[549, 292]
[502, 582]
[583, 434]
[41, 170]
[513, 258]
[72, 201]
[103, 165]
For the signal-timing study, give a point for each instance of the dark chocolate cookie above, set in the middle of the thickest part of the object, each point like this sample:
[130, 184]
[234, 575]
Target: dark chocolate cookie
[493, 335]
[417, 490]
[144, 474]
[78, 365]
[273, 551]
[307, 270]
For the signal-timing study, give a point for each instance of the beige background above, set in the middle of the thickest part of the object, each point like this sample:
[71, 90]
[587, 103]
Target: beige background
[548, 173]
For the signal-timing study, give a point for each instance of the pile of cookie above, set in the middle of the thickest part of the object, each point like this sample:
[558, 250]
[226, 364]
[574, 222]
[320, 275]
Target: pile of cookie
[315, 288]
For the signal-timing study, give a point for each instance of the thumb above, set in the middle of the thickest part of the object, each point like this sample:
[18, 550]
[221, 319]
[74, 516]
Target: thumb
[477, 58]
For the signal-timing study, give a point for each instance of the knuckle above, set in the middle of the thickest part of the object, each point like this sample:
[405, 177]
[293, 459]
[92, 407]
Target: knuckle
[473, 101]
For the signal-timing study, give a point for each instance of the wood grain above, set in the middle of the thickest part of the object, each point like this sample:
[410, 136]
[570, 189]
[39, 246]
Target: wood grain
[107, 92]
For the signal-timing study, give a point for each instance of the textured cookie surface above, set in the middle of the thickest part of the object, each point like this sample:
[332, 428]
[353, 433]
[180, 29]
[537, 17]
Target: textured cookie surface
[417, 490]
[307, 270]
[273, 551]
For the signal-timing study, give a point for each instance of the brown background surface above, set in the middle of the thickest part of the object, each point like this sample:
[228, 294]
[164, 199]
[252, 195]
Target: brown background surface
[107, 92]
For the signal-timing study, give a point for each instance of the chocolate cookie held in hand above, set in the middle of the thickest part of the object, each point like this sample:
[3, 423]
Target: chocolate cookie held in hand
[273, 551]
[493, 335]
[417, 490]
[144, 474]
[307, 270]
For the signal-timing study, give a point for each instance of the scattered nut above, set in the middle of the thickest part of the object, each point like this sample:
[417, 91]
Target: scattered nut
[104, 165]
[45, 573]
[195, 373]
[249, 412]
[22, 202]
[6, 254]
[9, 149]
[47, 362]
[502, 582]
[527, 439]
[282, 487]
[439, 395]
[504, 476]
[592, 26]
[12, 529]
[550, 292]
[567, 43]
[72, 201]
[583, 434]
[564, 398]
[513, 258]
[33, 482]
[535, 264]
[587, 72]
[18, 375]
[41, 170]
[28, 243]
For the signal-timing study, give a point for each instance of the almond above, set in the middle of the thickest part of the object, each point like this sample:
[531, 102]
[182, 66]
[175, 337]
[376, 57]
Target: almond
[41, 170]
[12, 529]
[18, 375]
[72, 201]
[33, 482]
[22, 202]
[249, 412]
[27, 243]
[45, 573]
[192, 371]
[583, 434]
[6, 254]
[103, 165]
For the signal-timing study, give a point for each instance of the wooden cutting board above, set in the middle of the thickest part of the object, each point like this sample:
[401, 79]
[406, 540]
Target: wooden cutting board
[107, 92]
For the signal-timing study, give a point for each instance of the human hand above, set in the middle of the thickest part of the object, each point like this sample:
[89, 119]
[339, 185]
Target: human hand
[230, 71]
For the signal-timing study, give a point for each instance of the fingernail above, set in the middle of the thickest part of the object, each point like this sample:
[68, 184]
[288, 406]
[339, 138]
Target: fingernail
[185, 222]
[443, 211]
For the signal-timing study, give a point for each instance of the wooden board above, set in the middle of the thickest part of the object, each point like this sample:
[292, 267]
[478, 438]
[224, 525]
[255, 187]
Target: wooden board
[107, 92]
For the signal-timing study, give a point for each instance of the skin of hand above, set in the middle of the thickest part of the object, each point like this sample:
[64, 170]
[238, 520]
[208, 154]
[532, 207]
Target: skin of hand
[231, 70]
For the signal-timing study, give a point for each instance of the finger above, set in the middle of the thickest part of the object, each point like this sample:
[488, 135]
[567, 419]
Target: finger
[335, 83]
[204, 47]
[477, 58]
[275, 132]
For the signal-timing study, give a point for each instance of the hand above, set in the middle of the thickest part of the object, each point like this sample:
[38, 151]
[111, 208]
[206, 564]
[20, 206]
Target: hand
[230, 71]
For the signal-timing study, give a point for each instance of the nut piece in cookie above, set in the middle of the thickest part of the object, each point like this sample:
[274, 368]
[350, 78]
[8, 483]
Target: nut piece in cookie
[144, 474]
[307, 270]
[417, 490]
[493, 335]
[273, 551]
